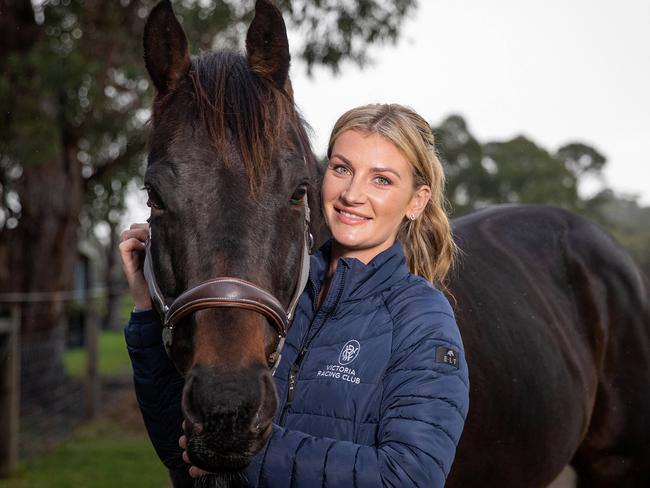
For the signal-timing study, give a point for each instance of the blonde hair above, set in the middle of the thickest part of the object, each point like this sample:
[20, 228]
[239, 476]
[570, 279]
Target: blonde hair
[427, 241]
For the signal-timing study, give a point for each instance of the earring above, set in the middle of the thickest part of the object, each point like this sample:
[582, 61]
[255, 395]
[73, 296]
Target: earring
[412, 217]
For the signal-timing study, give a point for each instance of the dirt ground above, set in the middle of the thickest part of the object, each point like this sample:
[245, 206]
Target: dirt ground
[120, 403]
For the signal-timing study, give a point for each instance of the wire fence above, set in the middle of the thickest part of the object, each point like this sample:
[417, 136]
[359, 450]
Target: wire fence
[9, 391]
[54, 296]
[52, 403]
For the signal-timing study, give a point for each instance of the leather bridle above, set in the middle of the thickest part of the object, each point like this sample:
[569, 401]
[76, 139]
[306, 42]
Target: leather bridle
[224, 292]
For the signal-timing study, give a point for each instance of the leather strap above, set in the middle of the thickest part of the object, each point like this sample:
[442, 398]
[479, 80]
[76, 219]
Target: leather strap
[157, 298]
[228, 292]
[308, 241]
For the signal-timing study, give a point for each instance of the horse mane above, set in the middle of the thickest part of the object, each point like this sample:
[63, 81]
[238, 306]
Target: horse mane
[234, 102]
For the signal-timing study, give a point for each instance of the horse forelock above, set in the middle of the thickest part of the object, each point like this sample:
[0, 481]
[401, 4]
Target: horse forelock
[237, 107]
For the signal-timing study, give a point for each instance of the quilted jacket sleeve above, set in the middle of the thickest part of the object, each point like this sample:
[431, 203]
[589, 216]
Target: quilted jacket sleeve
[158, 387]
[423, 410]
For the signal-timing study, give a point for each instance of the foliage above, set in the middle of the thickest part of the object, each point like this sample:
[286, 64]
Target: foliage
[627, 221]
[514, 171]
[84, 93]
[111, 355]
[102, 454]
[520, 171]
[333, 31]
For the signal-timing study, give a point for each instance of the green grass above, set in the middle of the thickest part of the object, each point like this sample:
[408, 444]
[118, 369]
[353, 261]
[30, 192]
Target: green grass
[112, 356]
[101, 454]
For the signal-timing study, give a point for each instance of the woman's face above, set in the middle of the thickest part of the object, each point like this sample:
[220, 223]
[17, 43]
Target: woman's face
[367, 193]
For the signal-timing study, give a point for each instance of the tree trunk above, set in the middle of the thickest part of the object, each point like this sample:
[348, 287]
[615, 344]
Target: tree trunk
[111, 318]
[45, 253]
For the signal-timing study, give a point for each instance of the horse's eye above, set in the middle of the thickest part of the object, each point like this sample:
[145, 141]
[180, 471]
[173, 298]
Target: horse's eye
[153, 200]
[299, 195]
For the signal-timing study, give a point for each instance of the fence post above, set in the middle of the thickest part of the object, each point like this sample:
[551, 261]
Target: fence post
[91, 335]
[9, 391]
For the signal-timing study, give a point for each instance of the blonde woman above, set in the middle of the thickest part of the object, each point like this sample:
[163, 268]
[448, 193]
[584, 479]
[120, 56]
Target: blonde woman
[373, 383]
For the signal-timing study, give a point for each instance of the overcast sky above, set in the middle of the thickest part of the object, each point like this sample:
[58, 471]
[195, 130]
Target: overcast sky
[556, 71]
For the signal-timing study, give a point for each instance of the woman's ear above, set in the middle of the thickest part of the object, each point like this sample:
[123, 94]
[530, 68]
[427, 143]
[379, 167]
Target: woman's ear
[419, 201]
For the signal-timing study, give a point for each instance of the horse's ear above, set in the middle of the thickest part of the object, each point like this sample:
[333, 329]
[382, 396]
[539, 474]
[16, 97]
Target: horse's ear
[267, 45]
[166, 54]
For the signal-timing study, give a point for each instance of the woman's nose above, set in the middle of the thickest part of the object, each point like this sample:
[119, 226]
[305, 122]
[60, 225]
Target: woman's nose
[355, 192]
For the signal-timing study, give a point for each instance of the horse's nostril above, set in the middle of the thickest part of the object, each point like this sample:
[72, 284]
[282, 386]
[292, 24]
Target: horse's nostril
[187, 401]
[268, 404]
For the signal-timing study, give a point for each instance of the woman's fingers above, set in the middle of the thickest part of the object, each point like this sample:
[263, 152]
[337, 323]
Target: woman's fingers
[131, 244]
[194, 471]
[132, 248]
[140, 233]
[131, 252]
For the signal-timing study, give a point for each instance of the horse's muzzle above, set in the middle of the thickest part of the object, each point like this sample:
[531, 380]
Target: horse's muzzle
[228, 416]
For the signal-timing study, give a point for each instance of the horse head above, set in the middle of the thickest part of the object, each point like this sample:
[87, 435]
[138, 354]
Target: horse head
[229, 171]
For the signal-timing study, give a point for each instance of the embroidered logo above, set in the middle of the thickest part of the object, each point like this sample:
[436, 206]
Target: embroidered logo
[349, 352]
[447, 356]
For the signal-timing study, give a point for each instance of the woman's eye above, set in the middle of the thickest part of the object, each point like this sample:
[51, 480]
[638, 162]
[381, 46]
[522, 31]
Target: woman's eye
[382, 180]
[342, 170]
[298, 195]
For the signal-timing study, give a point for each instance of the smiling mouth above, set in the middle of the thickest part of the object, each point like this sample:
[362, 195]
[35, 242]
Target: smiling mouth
[351, 216]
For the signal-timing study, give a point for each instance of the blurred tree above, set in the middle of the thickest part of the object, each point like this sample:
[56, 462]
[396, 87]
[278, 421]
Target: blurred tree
[514, 171]
[626, 220]
[519, 171]
[74, 101]
[581, 159]
[469, 185]
[526, 173]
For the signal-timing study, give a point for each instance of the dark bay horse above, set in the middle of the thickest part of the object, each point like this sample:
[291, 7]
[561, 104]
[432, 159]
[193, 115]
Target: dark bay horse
[554, 316]
[229, 177]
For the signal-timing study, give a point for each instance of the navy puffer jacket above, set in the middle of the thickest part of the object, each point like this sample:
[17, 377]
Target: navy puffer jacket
[373, 385]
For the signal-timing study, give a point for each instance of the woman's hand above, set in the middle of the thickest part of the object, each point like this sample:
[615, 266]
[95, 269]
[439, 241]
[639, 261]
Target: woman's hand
[132, 244]
[194, 471]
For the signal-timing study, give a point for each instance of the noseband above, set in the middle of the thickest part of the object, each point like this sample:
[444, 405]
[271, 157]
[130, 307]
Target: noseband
[229, 292]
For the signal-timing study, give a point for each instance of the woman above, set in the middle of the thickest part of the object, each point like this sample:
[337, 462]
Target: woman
[379, 383]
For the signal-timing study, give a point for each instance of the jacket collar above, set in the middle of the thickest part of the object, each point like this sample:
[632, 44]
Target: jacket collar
[361, 280]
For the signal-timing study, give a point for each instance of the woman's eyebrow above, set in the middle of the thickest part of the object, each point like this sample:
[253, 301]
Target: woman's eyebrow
[342, 158]
[376, 169]
[385, 170]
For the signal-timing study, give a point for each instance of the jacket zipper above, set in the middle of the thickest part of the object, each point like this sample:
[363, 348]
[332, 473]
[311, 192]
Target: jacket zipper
[295, 367]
